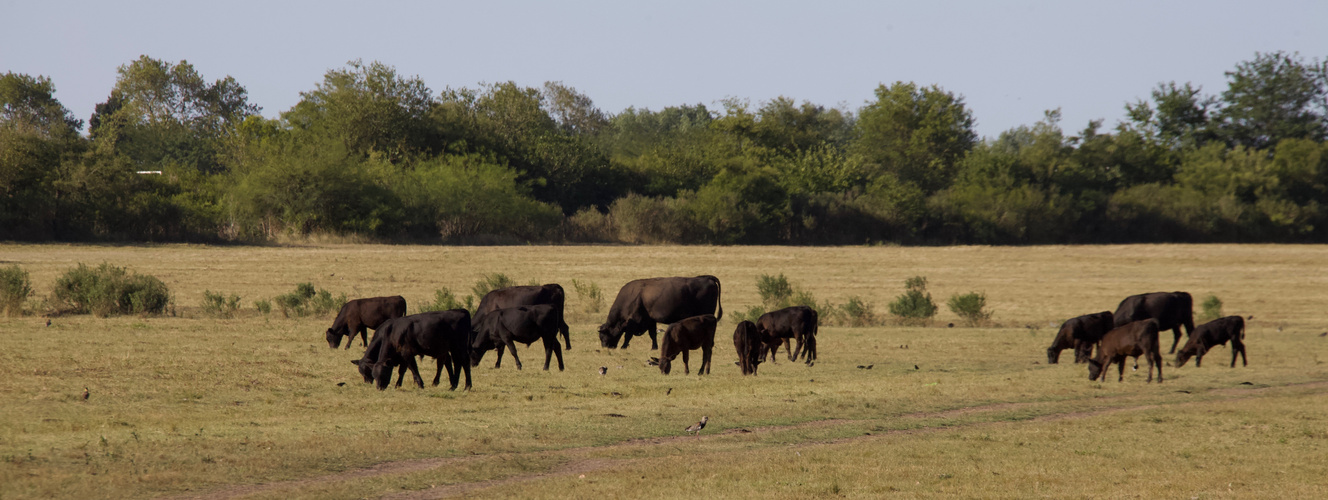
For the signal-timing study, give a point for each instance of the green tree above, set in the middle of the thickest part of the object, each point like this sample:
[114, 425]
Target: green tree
[917, 133]
[37, 136]
[369, 108]
[1276, 96]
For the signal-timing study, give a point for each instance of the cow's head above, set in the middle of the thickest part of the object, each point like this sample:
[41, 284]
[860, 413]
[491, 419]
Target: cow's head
[382, 373]
[365, 368]
[1094, 369]
[609, 336]
[1053, 355]
[334, 338]
[1185, 353]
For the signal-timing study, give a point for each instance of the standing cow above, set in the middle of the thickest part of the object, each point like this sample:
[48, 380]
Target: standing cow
[1132, 340]
[1080, 334]
[798, 323]
[1214, 333]
[503, 328]
[358, 315]
[1172, 310]
[696, 332]
[531, 295]
[747, 343]
[643, 304]
[443, 335]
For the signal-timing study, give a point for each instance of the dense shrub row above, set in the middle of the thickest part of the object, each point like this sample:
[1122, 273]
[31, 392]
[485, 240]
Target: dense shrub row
[374, 155]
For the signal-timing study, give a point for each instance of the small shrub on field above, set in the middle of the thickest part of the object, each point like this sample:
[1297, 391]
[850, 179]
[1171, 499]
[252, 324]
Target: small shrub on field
[444, 299]
[915, 306]
[777, 292]
[219, 305]
[263, 307]
[305, 301]
[751, 314]
[857, 312]
[489, 283]
[590, 296]
[106, 290]
[1212, 308]
[970, 308]
[15, 288]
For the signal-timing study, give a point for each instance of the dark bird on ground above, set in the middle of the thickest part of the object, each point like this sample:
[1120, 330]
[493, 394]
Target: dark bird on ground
[48, 321]
[1250, 317]
[1324, 334]
[951, 325]
[861, 367]
[86, 393]
[915, 367]
[696, 428]
[869, 366]
[670, 391]
[603, 370]
[341, 384]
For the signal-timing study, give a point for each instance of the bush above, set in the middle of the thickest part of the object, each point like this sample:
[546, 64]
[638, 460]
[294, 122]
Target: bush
[777, 293]
[444, 299]
[489, 283]
[752, 314]
[305, 301]
[915, 305]
[15, 288]
[220, 306]
[857, 312]
[590, 295]
[107, 290]
[1212, 308]
[263, 306]
[969, 307]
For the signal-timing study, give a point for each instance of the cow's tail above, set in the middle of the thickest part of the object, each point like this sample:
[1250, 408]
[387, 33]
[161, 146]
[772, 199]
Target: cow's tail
[1242, 331]
[718, 295]
[562, 321]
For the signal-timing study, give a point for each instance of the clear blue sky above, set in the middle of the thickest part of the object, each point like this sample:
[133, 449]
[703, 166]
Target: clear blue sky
[1010, 60]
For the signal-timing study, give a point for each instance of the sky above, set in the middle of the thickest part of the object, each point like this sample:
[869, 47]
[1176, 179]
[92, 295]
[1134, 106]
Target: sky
[1009, 60]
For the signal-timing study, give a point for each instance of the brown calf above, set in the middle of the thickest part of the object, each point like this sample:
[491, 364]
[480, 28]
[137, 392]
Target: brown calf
[696, 332]
[747, 342]
[1214, 333]
[1080, 334]
[1133, 339]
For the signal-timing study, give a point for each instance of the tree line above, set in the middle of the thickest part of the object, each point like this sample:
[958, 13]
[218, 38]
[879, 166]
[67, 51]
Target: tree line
[373, 154]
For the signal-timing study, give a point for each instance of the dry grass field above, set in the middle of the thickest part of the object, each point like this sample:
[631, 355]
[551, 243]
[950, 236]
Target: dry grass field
[189, 406]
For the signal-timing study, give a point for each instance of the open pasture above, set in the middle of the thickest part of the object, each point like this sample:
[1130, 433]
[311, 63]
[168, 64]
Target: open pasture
[260, 407]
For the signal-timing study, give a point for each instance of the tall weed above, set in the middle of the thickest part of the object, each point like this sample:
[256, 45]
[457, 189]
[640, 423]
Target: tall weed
[15, 288]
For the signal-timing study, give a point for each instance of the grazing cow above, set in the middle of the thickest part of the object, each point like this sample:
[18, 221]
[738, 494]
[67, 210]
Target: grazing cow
[1214, 333]
[1080, 334]
[503, 328]
[798, 323]
[443, 335]
[696, 332]
[747, 343]
[358, 315]
[532, 295]
[1172, 310]
[1134, 339]
[643, 304]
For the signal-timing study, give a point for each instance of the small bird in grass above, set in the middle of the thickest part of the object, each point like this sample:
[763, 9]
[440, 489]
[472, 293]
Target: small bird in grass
[869, 366]
[915, 367]
[696, 428]
[48, 321]
[603, 370]
[670, 391]
[86, 393]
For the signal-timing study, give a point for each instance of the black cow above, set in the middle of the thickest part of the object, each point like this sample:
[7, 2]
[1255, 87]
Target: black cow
[443, 335]
[1214, 333]
[696, 332]
[747, 343]
[1134, 339]
[1080, 334]
[358, 315]
[503, 328]
[799, 323]
[1171, 310]
[532, 295]
[643, 304]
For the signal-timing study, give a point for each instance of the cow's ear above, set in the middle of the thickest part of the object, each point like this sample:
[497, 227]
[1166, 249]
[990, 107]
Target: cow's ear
[355, 362]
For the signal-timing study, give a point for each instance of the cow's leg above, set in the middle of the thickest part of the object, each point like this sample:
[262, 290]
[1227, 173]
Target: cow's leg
[1157, 359]
[654, 342]
[414, 371]
[1175, 331]
[1121, 378]
[501, 348]
[686, 370]
[512, 346]
[364, 337]
[445, 361]
[460, 359]
[774, 349]
[565, 331]
[705, 361]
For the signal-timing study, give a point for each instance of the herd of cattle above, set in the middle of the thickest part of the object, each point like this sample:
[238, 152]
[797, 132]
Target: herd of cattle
[524, 314]
[691, 309]
[1132, 331]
